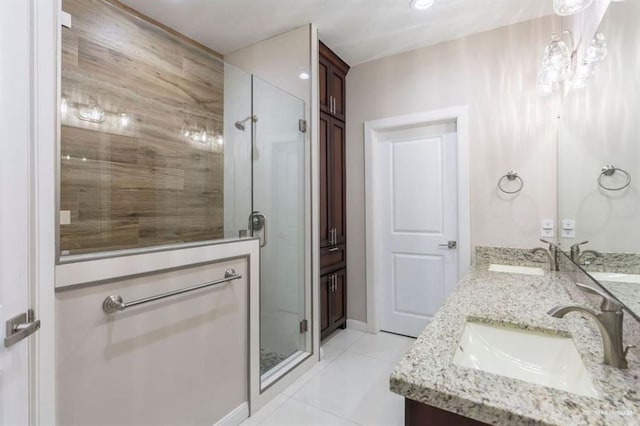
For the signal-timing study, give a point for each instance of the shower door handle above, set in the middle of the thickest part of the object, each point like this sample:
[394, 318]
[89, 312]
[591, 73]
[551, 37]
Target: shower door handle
[257, 222]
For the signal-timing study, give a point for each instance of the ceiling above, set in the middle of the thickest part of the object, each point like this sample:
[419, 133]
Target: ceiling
[358, 30]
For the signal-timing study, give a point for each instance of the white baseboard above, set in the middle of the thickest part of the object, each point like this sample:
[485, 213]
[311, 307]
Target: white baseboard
[357, 325]
[235, 417]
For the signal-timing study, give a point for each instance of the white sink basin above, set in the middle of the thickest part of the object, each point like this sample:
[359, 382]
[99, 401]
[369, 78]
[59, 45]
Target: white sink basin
[535, 357]
[527, 270]
[616, 277]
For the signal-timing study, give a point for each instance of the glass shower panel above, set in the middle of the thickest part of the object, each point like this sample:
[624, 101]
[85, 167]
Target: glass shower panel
[279, 221]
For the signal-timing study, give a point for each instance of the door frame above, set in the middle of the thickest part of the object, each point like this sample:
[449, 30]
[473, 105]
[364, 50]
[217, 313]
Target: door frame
[45, 41]
[459, 114]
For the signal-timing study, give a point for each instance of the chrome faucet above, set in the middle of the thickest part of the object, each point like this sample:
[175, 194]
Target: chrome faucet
[546, 253]
[575, 251]
[609, 322]
[551, 254]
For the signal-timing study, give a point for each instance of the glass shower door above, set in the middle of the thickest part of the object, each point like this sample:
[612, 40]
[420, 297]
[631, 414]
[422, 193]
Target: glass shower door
[278, 218]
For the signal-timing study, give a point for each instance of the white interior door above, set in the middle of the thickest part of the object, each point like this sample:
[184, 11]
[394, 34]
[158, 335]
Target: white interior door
[419, 223]
[15, 202]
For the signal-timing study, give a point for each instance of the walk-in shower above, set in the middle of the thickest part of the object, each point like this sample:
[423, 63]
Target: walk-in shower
[266, 193]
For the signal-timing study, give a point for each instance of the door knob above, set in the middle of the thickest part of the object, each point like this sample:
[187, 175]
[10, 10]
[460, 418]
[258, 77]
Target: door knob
[450, 245]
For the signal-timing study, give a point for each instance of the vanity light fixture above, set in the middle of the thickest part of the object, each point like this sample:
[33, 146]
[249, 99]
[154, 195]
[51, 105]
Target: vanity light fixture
[420, 4]
[93, 113]
[570, 7]
[557, 63]
[595, 54]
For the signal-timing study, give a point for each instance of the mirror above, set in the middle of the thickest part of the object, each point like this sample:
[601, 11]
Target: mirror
[599, 161]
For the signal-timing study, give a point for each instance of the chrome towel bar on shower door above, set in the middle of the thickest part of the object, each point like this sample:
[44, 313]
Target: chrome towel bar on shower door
[115, 303]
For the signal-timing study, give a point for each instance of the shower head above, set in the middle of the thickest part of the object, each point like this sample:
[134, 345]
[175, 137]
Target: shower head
[240, 124]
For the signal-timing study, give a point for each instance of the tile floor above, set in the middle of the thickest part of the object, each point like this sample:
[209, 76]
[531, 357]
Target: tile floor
[353, 388]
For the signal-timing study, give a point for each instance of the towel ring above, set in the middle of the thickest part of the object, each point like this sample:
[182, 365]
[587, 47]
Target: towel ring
[510, 176]
[609, 170]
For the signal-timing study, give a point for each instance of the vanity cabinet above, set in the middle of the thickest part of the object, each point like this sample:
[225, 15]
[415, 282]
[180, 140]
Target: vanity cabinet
[332, 74]
[332, 189]
[418, 414]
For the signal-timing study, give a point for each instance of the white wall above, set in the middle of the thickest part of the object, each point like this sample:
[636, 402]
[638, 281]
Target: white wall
[599, 127]
[511, 127]
[237, 151]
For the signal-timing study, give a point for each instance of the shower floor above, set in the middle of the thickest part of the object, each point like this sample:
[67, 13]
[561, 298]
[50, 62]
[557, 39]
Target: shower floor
[268, 360]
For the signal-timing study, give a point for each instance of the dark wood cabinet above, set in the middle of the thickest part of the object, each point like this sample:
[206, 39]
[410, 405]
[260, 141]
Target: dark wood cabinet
[418, 414]
[333, 295]
[332, 74]
[332, 181]
[332, 169]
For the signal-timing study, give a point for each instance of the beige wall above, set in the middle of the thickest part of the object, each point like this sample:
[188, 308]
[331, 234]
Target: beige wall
[511, 127]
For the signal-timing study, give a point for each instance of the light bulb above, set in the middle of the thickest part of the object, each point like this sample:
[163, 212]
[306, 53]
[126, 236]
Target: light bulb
[304, 75]
[219, 139]
[63, 106]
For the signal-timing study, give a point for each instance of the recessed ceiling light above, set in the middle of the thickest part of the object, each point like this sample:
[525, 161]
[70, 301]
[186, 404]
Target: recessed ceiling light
[421, 4]
[304, 75]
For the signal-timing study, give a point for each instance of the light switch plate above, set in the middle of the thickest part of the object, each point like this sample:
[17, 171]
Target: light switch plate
[65, 217]
[568, 228]
[547, 228]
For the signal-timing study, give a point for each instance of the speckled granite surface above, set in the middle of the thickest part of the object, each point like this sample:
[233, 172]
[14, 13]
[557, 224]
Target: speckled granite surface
[626, 263]
[510, 256]
[427, 374]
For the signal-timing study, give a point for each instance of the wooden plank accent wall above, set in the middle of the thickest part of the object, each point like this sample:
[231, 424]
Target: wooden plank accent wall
[146, 183]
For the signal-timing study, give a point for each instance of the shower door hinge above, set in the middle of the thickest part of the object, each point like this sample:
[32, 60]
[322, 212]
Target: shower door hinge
[304, 326]
[302, 125]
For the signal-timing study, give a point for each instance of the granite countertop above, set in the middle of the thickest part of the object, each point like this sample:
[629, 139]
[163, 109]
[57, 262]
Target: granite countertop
[427, 374]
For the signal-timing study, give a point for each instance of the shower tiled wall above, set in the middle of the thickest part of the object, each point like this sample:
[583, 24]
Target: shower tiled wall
[137, 181]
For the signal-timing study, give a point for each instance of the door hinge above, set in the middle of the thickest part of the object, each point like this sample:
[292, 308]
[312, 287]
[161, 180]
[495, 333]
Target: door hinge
[302, 125]
[304, 326]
